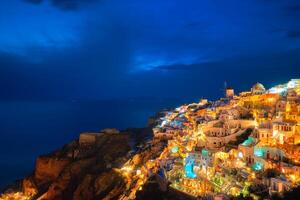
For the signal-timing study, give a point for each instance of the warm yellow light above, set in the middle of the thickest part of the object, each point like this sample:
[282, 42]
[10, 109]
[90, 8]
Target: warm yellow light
[293, 177]
[16, 195]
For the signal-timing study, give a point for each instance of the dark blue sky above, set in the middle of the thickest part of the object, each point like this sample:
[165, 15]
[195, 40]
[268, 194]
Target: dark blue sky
[95, 49]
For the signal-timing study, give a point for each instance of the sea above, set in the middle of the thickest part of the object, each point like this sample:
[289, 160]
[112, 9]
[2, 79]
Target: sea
[32, 128]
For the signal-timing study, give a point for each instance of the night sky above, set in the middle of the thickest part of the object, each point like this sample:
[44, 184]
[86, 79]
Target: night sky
[121, 49]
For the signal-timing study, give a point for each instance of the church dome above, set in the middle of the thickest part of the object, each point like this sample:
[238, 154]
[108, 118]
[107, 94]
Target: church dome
[258, 88]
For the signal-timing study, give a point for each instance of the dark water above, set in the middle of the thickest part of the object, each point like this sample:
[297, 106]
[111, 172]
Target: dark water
[29, 129]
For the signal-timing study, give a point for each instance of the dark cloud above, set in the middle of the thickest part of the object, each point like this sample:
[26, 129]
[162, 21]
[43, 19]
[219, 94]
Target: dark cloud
[16, 83]
[69, 4]
[34, 1]
[183, 67]
[272, 62]
[293, 34]
[293, 8]
[241, 73]
[95, 69]
[287, 33]
[64, 4]
[128, 49]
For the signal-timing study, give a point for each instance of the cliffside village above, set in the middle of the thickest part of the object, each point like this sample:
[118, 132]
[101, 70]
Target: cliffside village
[222, 149]
[245, 145]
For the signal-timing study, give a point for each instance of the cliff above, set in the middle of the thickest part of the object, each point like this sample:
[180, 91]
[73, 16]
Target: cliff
[80, 171]
[92, 167]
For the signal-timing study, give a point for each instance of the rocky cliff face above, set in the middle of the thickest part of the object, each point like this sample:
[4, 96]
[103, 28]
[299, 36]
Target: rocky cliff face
[48, 168]
[93, 167]
[80, 172]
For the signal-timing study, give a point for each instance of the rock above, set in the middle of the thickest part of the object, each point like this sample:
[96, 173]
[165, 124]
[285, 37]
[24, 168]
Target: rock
[114, 193]
[103, 182]
[110, 130]
[87, 176]
[29, 187]
[109, 183]
[137, 159]
[151, 191]
[85, 190]
[151, 121]
[68, 179]
[47, 169]
[87, 138]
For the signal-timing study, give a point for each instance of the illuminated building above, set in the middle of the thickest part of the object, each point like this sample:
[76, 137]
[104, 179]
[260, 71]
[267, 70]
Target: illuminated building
[219, 133]
[265, 135]
[246, 150]
[208, 142]
[257, 166]
[297, 139]
[86, 139]
[279, 185]
[282, 131]
[291, 95]
[277, 90]
[203, 158]
[281, 106]
[259, 152]
[189, 167]
[229, 92]
[258, 88]
[174, 149]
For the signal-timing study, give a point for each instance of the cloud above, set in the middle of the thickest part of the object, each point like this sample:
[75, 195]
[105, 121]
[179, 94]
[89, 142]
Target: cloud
[67, 5]
[265, 62]
[287, 33]
[34, 1]
[167, 45]
[293, 34]
[96, 67]
[293, 8]
[188, 67]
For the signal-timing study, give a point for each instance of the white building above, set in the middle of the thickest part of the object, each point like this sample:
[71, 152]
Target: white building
[88, 138]
[279, 185]
[291, 95]
[258, 88]
[282, 131]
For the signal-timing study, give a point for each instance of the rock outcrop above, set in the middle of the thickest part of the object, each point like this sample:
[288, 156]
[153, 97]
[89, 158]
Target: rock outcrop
[81, 172]
[92, 167]
[48, 168]
[29, 186]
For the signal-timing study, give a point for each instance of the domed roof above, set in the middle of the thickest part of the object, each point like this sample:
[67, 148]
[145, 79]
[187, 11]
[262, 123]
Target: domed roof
[258, 87]
[291, 92]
